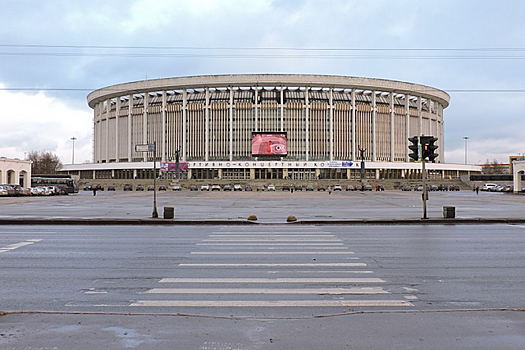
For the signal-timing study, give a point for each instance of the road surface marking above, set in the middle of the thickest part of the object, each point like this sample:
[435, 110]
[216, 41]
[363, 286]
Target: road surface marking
[334, 291]
[278, 303]
[277, 265]
[18, 245]
[271, 244]
[270, 235]
[271, 280]
[410, 297]
[272, 253]
[273, 240]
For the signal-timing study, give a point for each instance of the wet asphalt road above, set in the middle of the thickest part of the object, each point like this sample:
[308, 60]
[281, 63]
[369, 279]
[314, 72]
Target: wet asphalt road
[464, 282]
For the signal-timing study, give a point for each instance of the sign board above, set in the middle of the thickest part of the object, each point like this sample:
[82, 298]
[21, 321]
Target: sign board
[145, 148]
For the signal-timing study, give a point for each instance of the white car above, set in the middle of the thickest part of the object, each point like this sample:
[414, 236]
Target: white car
[237, 187]
[271, 187]
[488, 186]
[215, 187]
[205, 187]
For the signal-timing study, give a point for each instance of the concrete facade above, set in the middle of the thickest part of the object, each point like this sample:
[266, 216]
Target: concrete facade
[15, 172]
[518, 169]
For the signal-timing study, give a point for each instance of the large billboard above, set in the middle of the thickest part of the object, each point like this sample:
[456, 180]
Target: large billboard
[269, 144]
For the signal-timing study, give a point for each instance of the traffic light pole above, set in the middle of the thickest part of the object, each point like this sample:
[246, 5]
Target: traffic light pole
[425, 193]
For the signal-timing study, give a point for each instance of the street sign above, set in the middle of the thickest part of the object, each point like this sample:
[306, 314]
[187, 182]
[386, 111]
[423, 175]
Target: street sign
[145, 148]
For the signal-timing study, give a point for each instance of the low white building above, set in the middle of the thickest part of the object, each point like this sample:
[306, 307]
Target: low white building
[518, 169]
[15, 172]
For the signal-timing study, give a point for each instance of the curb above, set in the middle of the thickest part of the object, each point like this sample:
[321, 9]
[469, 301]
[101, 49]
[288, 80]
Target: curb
[169, 222]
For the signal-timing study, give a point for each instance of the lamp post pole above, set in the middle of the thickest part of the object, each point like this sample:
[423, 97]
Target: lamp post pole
[73, 155]
[466, 148]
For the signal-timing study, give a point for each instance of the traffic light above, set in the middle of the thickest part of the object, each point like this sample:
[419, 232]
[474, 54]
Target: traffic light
[429, 148]
[414, 147]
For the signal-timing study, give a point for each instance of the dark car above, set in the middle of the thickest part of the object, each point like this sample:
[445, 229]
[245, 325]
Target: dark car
[127, 187]
[309, 187]
[98, 187]
[406, 188]
[162, 188]
[87, 187]
[287, 187]
[321, 188]
[194, 188]
[111, 188]
[151, 188]
[298, 187]
[248, 188]
[454, 188]
[139, 188]
[442, 187]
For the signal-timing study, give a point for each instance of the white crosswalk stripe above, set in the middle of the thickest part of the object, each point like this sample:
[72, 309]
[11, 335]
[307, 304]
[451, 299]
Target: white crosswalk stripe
[272, 251]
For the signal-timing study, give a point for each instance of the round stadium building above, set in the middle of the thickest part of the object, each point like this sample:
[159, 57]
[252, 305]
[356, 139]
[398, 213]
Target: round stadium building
[265, 126]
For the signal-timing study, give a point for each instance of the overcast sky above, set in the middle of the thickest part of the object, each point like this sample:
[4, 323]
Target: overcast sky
[54, 52]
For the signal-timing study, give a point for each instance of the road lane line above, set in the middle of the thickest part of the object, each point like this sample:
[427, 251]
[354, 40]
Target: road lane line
[271, 244]
[272, 253]
[14, 246]
[273, 240]
[271, 280]
[278, 303]
[270, 235]
[331, 291]
[278, 265]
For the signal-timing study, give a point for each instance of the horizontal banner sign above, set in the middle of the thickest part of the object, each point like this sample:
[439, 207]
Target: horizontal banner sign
[272, 165]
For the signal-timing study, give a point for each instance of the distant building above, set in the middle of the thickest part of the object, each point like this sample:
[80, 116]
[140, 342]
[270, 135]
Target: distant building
[306, 127]
[15, 172]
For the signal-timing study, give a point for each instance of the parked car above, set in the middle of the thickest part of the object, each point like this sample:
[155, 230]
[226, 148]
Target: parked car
[260, 187]
[488, 186]
[99, 187]
[337, 188]
[248, 188]
[321, 188]
[309, 187]
[298, 187]
[127, 187]
[454, 188]
[193, 188]
[237, 187]
[111, 188]
[162, 188]
[176, 187]
[286, 187]
[367, 187]
[508, 188]
[406, 188]
[205, 187]
[442, 187]
[87, 187]
[151, 188]
[350, 188]
[433, 188]
[215, 187]
[271, 187]
[418, 188]
[227, 187]
[139, 187]
[3, 191]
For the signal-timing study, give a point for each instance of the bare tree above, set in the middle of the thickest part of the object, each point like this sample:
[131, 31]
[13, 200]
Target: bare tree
[44, 162]
[494, 167]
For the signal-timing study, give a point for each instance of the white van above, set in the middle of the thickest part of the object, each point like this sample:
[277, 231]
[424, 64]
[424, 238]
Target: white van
[488, 187]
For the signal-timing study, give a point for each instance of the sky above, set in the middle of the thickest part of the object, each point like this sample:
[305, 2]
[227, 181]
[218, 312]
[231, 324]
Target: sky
[54, 52]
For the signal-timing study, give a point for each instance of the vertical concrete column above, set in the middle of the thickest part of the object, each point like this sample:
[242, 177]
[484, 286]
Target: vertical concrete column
[352, 96]
[130, 115]
[207, 126]
[145, 123]
[252, 173]
[307, 117]
[392, 128]
[407, 125]
[331, 124]
[231, 123]
[117, 134]
[163, 138]
[256, 104]
[282, 108]
[106, 151]
[420, 114]
[184, 123]
[374, 127]
[220, 173]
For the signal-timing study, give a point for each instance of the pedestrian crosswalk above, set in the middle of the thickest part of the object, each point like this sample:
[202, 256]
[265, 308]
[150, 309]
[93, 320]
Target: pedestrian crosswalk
[299, 268]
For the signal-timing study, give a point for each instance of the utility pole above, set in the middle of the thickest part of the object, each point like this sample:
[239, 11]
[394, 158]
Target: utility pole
[155, 214]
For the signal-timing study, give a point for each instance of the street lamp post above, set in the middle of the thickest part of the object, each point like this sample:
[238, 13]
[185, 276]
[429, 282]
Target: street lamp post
[466, 148]
[73, 155]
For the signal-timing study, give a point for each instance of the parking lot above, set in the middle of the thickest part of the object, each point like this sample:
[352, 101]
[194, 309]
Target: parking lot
[273, 206]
